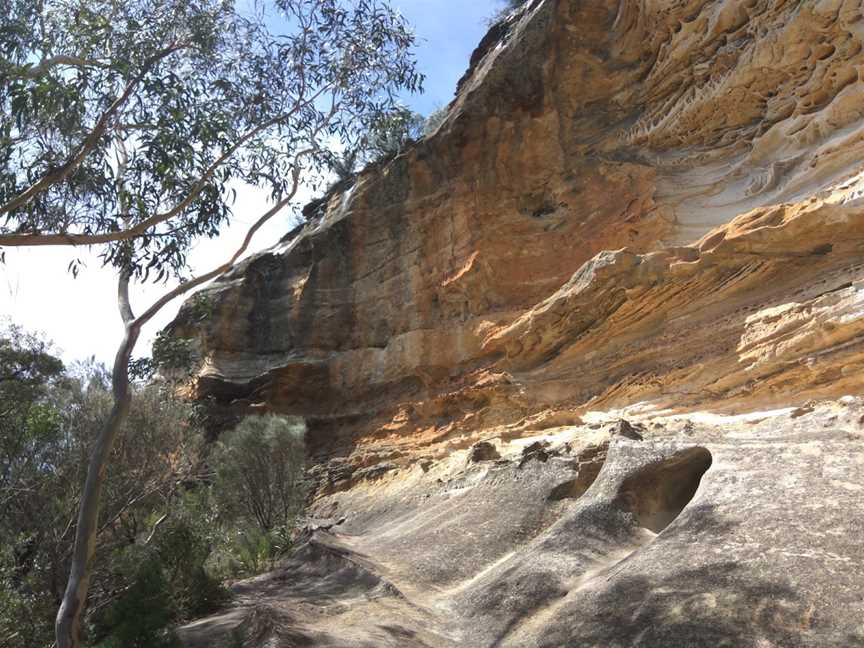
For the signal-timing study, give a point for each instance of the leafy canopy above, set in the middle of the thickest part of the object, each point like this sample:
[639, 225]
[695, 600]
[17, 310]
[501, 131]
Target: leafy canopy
[131, 123]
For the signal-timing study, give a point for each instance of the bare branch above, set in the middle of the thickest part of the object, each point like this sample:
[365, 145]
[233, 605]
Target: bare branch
[155, 528]
[129, 504]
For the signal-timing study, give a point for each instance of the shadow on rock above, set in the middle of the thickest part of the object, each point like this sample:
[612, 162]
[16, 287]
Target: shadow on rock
[719, 604]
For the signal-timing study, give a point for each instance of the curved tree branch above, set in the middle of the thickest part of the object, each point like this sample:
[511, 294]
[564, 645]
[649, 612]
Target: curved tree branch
[141, 228]
[74, 598]
[85, 147]
[186, 286]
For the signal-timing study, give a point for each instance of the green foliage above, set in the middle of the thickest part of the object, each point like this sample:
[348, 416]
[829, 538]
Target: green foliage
[434, 120]
[503, 12]
[388, 134]
[25, 361]
[170, 532]
[259, 471]
[245, 552]
[22, 609]
[141, 616]
[184, 549]
[391, 132]
[28, 421]
[148, 113]
[31, 446]
[48, 421]
[345, 164]
[167, 582]
[171, 355]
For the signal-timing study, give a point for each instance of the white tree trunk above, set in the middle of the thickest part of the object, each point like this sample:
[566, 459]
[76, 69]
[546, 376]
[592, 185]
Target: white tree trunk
[68, 624]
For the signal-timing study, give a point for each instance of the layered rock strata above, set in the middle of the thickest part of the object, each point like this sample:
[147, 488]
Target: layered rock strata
[639, 206]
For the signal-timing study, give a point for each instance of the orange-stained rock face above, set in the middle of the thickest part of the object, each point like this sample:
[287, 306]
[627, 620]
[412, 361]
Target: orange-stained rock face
[647, 207]
[521, 260]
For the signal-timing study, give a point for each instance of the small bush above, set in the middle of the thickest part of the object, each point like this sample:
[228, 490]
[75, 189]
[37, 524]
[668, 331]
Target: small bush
[434, 120]
[166, 583]
[503, 12]
[246, 552]
[392, 133]
[183, 552]
[259, 471]
[141, 615]
[258, 489]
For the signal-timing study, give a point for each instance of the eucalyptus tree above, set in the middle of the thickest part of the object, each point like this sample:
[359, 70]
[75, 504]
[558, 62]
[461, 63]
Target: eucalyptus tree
[129, 124]
[49, 419]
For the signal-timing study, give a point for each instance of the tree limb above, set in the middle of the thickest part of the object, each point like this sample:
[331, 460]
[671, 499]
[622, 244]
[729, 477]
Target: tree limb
[90, 142]
[69, 616]
[68, 624]
[129, 504]
[139, 229]
[68, 621]
[123, 302]
[33, 71]
[186, 286]
[155, 528]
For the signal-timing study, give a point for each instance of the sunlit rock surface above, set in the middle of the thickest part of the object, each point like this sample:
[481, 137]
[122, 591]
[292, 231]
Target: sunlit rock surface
[649, 210]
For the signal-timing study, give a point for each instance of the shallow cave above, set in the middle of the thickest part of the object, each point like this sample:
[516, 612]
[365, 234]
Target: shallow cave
[658, 493]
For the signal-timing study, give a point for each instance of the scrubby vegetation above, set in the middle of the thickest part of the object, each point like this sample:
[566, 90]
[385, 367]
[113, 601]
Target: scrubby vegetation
[387, 135]
[129, 127]
[176, 519]
[503, 12]
[435, 119]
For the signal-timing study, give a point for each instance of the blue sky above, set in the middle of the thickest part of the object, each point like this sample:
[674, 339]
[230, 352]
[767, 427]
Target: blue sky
[447, 31]
[80, 316]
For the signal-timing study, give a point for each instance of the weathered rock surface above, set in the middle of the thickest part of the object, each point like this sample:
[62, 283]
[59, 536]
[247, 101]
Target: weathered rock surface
[713, 531]
[649, 210]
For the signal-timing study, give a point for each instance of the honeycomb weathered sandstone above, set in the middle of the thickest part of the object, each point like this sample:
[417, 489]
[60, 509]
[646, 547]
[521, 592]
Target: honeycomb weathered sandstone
[647, 208]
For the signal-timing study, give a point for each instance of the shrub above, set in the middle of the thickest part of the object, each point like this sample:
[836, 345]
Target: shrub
[161, 582]
[183, 550]
[434, 120]
[167, 534]
[258, 491]
[503, 12]
[259, 470]
[49, 416]
[140, 616]
[392, 132]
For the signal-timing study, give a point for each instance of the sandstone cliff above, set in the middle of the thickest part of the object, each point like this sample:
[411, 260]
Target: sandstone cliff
[641, 209]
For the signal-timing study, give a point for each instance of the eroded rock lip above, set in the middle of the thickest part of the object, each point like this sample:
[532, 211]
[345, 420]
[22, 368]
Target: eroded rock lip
[649, 211]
